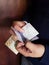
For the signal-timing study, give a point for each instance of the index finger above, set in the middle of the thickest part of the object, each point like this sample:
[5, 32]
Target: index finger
[19, 23]
[18, 28]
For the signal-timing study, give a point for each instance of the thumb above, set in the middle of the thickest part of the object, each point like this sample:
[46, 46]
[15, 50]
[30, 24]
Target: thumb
[19, 44]
[31, 46]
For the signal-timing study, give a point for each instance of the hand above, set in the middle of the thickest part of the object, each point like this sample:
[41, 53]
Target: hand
[18, 25]
[31, 49]
[28, 49]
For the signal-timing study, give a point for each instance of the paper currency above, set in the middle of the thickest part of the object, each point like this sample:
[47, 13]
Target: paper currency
[29, 31]
[10, 43]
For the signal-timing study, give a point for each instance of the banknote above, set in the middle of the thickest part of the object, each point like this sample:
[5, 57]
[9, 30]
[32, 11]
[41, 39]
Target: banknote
[29, 31]
[10, 43]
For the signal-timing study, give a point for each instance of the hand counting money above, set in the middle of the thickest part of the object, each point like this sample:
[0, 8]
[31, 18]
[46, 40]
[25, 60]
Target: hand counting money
[30, 33]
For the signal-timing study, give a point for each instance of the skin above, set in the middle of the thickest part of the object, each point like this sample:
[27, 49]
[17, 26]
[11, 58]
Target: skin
[28, 49]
